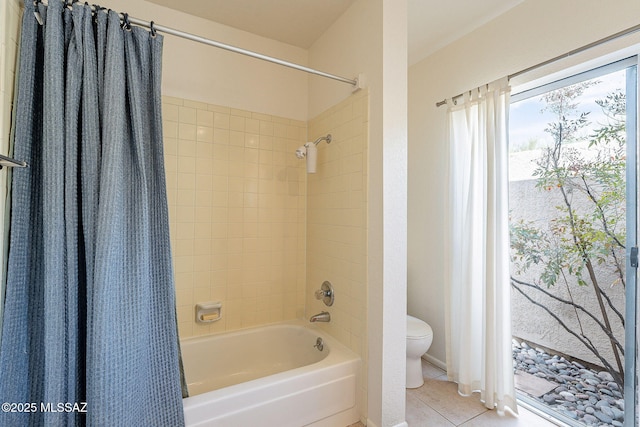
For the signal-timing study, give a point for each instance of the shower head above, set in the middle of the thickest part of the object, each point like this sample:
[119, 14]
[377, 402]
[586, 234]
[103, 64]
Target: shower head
[310, 152]
[301, 152]
[322, 138]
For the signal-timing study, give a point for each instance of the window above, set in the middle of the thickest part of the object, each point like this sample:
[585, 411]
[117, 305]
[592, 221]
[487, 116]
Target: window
[572, 189]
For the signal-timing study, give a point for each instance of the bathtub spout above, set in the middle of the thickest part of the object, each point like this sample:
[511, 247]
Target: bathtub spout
[321, 317]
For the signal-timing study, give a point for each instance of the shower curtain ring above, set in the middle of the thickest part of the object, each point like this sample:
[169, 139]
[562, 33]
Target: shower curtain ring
[153, 28]
[125, 21]
[36, 12]
[95, 9]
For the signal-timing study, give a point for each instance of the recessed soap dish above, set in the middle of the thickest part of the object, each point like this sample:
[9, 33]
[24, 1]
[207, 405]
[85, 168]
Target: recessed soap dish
[208, 312]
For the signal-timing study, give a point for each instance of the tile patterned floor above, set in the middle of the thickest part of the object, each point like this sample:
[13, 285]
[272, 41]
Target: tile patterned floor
[438, 404]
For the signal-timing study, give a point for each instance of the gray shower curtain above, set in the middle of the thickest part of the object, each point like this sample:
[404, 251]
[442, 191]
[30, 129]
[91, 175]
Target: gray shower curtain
[90, 301]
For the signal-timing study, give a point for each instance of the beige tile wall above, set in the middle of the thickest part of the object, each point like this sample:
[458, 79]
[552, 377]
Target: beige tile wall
[237, 214]
[337, 223]
[250, 228]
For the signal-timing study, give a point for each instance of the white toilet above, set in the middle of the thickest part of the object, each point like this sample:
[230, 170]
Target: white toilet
[419, 337]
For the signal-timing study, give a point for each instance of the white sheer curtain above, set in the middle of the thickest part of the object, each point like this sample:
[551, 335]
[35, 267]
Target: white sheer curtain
[478, 315]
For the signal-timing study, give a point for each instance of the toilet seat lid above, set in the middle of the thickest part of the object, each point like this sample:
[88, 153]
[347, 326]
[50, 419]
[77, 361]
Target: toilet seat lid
[416, 328]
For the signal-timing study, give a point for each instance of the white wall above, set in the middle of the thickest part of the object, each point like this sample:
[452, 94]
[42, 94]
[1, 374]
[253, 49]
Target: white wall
[10, 15]
[352, 45]
[204, 73]
[528, 34]
[370, 38]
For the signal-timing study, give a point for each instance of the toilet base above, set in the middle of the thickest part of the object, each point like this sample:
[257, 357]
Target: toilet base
[414, 372]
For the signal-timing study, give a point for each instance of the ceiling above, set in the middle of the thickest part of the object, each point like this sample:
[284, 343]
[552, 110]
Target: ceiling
[432, 24]
[295, 22]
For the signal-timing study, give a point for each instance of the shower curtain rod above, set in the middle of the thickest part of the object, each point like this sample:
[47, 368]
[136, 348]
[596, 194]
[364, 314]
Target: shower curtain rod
[214, 43]
[581, 49]
[356, 83]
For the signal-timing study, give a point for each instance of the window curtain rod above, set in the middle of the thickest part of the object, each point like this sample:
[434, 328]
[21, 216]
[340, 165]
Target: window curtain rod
[581, 49]
[356, 83]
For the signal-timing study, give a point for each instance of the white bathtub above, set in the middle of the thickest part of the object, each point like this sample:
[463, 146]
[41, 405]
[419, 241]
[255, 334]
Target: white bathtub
[270, 376]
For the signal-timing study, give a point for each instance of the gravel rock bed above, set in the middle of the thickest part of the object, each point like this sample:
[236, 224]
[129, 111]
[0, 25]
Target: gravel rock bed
[589, 396]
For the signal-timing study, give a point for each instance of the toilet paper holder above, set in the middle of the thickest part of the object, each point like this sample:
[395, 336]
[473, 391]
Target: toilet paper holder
[208, 312]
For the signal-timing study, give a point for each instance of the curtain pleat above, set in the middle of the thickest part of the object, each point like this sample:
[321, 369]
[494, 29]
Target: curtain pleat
[90, 300]
[478, 314]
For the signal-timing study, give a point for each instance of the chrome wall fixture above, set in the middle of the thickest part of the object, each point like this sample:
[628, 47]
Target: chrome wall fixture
[326, 294]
